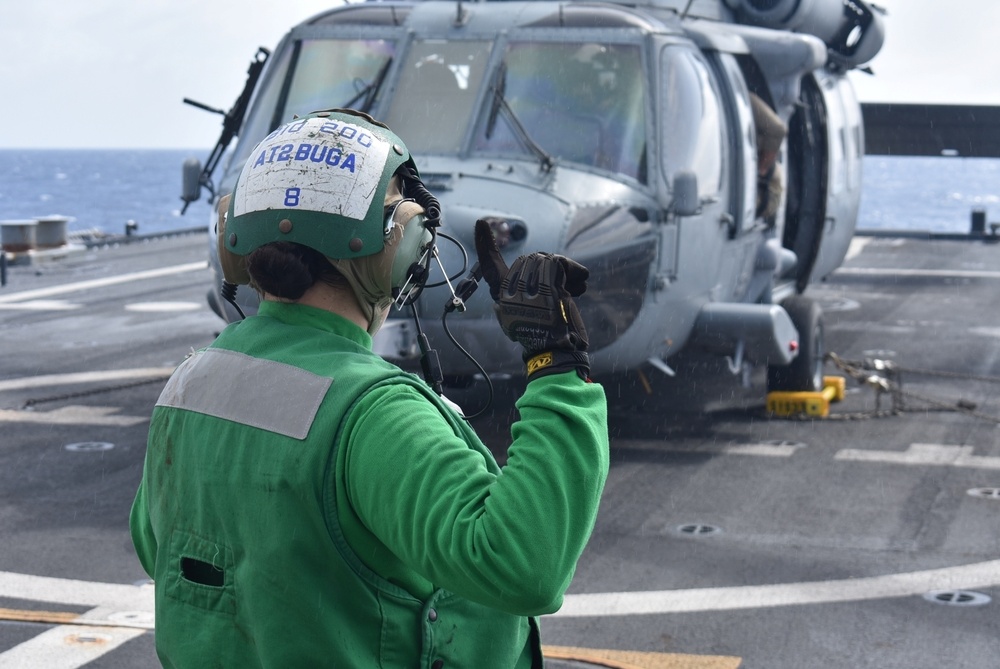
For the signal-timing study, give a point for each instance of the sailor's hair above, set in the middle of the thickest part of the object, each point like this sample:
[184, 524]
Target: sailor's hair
[287, 270]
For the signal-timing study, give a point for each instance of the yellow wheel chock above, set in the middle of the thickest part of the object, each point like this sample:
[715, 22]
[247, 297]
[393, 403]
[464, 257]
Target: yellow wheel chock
[812, 404]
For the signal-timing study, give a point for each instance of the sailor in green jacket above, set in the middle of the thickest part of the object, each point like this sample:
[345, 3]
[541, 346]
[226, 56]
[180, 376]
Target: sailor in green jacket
[305, 503]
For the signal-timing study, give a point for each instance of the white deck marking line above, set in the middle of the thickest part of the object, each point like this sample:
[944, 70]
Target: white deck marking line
[164, 307]
[51, 590]
[66, 647]
[939, 455]
[979, 575]
[85, 377]
[856, 246]
[121, 612]
[936, 273]
[40, 305]
[62, 289]
[763, 450]
[72, 415]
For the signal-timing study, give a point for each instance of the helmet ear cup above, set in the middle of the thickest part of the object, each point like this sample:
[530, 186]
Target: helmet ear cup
[407, 269]
[234, 267]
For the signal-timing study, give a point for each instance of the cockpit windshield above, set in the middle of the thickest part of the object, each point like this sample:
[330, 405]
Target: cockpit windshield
[571, 102]
[325, 73]
[337, 73]
[579, 102]
[436, 94]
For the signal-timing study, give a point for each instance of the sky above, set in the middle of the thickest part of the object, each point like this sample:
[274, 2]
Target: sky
[113, 73]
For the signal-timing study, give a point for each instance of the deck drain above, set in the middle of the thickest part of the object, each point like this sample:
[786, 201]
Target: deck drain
[985, 493]
[957, 597]
[90, 446]
[132, 618]
[88, 639]
[698, 530]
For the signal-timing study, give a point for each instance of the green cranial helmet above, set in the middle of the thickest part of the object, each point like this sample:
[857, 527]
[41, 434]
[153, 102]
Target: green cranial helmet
[319, 181]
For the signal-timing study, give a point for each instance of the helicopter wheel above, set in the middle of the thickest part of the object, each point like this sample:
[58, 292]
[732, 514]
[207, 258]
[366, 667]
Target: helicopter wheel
[805, 373]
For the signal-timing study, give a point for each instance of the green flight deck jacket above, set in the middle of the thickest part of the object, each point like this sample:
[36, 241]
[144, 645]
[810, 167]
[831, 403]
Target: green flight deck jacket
[306, 504]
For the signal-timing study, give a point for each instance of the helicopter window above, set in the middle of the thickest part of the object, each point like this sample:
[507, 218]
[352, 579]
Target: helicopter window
[746, 137]
[438, 85]
[692, 120]
[337, 73]
[579, 102]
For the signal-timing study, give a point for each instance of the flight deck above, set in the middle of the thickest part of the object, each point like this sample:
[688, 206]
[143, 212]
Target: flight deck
[727, 537]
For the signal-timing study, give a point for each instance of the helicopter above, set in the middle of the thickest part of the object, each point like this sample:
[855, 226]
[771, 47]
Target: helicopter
[620, 133]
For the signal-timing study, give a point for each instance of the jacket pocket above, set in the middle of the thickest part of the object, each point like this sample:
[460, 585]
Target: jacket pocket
[200, 572]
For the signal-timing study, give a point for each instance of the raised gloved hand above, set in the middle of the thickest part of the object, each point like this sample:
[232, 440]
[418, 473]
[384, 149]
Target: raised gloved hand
[534, 304]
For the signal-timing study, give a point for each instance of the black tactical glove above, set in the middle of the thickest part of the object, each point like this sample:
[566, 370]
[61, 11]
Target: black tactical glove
[535, 307]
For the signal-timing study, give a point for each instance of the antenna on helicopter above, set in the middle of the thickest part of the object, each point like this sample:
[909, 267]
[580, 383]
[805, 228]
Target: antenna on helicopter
[461, 16]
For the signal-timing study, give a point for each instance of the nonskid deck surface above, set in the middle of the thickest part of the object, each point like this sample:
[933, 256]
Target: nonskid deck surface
[726, 537]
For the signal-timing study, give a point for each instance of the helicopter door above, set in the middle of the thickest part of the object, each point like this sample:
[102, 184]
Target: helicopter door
[696, 138]
[692, 141]
[805, 212]
[743, 193]
[825, 147]
[847, 133]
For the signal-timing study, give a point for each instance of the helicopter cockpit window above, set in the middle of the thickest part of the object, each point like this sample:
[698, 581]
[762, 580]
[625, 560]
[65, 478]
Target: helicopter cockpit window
[316, 74]
[338, 73]
[579, 102]
[692, 120]
[437, 89]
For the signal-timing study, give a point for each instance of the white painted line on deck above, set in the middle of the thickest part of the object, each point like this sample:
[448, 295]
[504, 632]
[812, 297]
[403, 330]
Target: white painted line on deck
[985, 331]
[856, 246]
[72, 415]
[936, 455]
[64, 288]
[162, 307]
[979, 575]
[40, 305]
[106, 598]
[66, 647]
[920, 273]
[85, 377]
[764, 450]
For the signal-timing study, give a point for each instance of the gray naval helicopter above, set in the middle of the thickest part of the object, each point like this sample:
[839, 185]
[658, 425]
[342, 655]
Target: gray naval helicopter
[620, 133]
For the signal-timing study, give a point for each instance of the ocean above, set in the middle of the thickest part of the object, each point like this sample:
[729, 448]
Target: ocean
[100, 189]
[105, 189]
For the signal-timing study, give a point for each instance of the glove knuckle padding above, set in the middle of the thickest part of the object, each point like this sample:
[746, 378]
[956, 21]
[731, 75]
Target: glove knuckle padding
[534, 305]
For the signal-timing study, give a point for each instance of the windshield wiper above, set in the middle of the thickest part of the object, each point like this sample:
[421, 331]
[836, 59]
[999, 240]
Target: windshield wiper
[368, 93]
[500, 103]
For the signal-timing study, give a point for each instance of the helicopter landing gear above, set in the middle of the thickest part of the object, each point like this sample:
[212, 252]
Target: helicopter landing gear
[805, 373]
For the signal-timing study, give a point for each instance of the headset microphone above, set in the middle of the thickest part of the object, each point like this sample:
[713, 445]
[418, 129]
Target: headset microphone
[464, 290]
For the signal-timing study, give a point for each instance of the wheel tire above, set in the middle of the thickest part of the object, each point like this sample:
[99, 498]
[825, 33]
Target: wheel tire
[805, 373]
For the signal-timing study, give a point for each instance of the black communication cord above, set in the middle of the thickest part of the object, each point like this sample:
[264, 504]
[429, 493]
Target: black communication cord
[463, 291]
[429, 361]
[228, 293]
